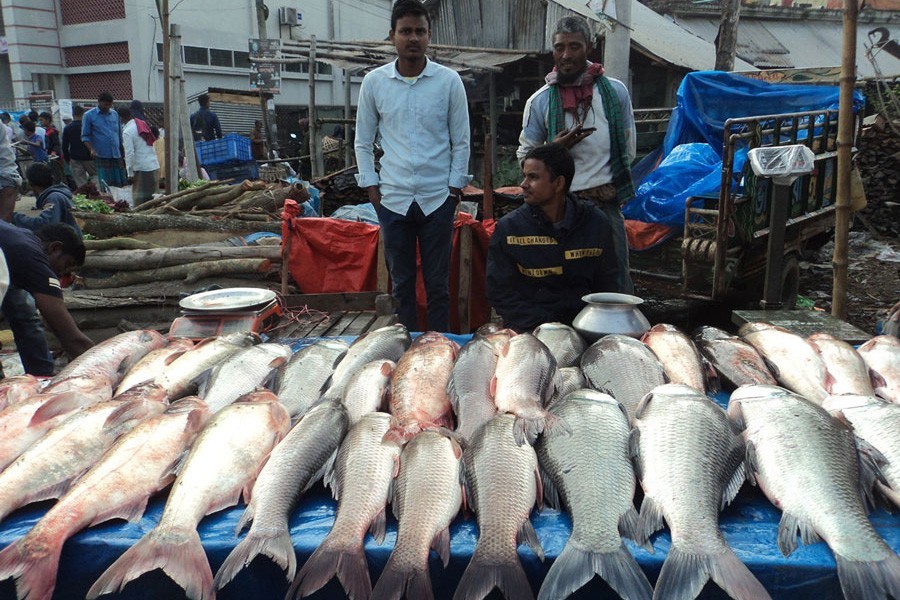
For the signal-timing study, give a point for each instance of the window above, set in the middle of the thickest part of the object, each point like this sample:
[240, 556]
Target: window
[299, 67]
[241, 59]
[220, 58]
[323, 68]
[159, 52]
[194, 55]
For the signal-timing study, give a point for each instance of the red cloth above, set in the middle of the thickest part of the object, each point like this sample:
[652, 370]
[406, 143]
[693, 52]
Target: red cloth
[143, 130]
[578, 94]
[642, 236]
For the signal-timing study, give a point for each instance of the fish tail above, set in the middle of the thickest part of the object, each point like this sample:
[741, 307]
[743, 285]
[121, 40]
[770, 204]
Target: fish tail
[33, 566]
[403, 581]
[274, 543]
[576, 566]
[683, 575]
[180, 556]
[869, 580]
[483, 575]
[328, 561]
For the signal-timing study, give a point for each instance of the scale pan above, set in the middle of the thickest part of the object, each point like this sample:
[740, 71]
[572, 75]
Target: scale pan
[227, 299]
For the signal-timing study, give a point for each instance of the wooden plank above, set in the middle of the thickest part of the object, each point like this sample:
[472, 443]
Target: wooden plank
[332, 302]
[465, 279]
[341, 324]
[383, 275]
[361, 323]
[803, 322]
[325, 325]
[383, 321]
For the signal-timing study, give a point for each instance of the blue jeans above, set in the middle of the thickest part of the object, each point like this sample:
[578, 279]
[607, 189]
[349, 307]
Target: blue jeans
[434, 235]
[28, 332]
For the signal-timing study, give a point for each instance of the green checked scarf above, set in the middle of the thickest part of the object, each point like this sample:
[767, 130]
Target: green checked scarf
[618, 147]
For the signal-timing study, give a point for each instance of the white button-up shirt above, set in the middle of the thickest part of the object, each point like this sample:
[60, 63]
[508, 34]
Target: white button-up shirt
[423, 126]
[138, 155]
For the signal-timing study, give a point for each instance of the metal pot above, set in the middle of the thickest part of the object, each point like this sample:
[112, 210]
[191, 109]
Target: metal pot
[607, 313]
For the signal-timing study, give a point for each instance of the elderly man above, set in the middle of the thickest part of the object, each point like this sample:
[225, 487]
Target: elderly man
[102, 134]
[591, 115]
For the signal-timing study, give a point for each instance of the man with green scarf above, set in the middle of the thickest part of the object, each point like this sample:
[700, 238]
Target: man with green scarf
[591, 115]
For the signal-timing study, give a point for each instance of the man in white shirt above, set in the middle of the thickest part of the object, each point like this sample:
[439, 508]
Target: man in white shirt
[417, 110]
[141, 163]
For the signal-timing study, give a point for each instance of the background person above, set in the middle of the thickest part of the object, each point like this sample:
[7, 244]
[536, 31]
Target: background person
[140, 156]
[204, 122]
[75, 152]
[54, 200]
[102, 135]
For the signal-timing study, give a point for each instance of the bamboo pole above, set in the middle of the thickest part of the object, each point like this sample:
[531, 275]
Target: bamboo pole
[487, 209]
[844, 144]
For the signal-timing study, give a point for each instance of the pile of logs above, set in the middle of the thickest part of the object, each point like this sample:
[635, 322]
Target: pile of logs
[878, 160]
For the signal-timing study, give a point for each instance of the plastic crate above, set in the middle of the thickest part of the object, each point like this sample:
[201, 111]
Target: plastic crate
[238, 171]
[229, 149]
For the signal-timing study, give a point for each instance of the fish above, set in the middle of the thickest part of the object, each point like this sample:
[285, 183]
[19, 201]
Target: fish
[222, 464]
[368, 389]
[360, 482]
[679, 357]
[388, 343]
[139, 464]
[470, 381]
[593, 462]
[182, 375]
[875, 424]
[153, 363]
[301, 382]
[791, 359]
[847, 372]
[565, 344]
[622, 367]
[47, 468]
[419, 396]
[427, 496]
[882, 355]
[24, 423]
[805, 462]
[112, 358]
[241, 373]
[16, 389]
[734, 360]
[502, 485]
[690, 461]
[295, 464]
[570, 379]
[524, 381]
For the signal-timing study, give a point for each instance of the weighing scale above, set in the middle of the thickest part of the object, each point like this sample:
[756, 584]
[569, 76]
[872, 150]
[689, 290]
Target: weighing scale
[229, 310]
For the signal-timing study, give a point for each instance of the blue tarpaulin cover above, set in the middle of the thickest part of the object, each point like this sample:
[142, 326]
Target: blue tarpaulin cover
[705, 100]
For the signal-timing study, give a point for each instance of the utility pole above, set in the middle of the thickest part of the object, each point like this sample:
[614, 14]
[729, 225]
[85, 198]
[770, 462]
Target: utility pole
[726, 40]
[267, 106]
[163, 7]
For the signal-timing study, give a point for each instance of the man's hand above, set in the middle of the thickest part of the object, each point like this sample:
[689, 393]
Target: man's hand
[569, 137]
[374, 195]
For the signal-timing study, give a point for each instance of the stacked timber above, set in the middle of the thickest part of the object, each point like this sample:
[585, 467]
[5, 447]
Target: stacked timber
[878, 161]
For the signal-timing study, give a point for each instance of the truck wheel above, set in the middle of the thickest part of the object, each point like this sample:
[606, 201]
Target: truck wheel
[790, 281]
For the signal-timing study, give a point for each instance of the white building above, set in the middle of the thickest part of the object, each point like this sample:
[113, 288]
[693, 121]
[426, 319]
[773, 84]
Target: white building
[79, 48]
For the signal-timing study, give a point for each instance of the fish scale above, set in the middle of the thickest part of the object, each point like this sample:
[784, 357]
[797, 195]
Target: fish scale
[301, 381]
[622, 367]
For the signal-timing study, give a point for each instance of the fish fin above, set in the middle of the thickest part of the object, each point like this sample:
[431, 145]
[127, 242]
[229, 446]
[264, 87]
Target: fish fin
[246, 518]
[642, 405]
[683, 575]
[320, 474]
[733, 576]
[172, 357]
[651, 518]
[751, 463]
[331, 480]
[278, 362]
[629, 526]
[441, 545]
[492, 387]
[483, 575]
[34, 571]
[736, 416]
[378, 526]
[869, 580]
[397, 582]
[539, 488]
[634, 452]
[870, 462]
[529, 536]
[61, 404]
[202, 382]
[773, 368]
[788, 528]
[829, 382]
[711, 376]
[734, 485]
[135, 410]
[453, 394]
[877, 379]
[276, 544]
[347, 564]
[181, 559]
[400, 435]
[575, 566]
[130, 512]
[326, 385]
[551, 495]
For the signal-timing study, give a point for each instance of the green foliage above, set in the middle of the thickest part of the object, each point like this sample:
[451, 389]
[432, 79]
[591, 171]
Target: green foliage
[82, 202]
[184, 184]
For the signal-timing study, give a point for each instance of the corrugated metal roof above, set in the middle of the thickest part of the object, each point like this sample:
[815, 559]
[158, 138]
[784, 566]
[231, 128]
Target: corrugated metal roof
[808, 44]
[662, 39]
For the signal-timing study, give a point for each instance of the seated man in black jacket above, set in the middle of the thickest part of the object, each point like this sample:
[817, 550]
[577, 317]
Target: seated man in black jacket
[548, 253]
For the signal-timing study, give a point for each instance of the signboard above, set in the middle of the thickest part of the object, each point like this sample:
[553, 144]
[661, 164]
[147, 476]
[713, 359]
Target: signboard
[265, 76]
[65, 109]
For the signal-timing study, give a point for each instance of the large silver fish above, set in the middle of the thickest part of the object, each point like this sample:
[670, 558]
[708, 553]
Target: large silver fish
[16, 389]
[565, 344]
[622, 367]
[182, 375]
[301, 381]
[679, 357]
[365, 467]
[153, 363]
[294, 466]
[690, 460]
[591, 463]
[241, 373]
[805, 461]
[388, 343]
[882, 356]
[735, 361]
[847, 372]
[470, 381]
[112, 358]
[503, 486]
[792, 360]
[427, 497]
[368, 389]
[222, 464]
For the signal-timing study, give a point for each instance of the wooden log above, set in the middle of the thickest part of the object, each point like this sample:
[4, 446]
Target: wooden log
[218, 200]
[168, 198]
[465, 279]
[136, 260]
[119, 243]
[271, 199]
[187, 273]
[118, 224]
[189, 199]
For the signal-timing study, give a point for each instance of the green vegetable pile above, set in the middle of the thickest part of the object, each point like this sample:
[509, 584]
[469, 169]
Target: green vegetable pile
[184, 184]
[82, 202]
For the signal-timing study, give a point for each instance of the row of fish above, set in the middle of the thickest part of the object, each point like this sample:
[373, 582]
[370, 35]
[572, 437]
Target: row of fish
[504, 390]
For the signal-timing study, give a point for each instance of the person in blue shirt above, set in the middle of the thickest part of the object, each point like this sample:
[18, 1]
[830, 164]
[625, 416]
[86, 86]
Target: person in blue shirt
[102, 134]
[204, 122]
[53, 200]
[34, 141]
[417, 110]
